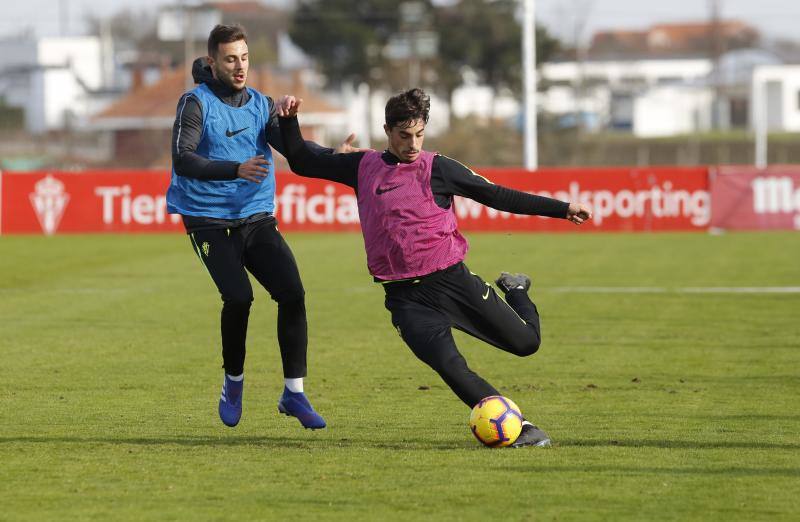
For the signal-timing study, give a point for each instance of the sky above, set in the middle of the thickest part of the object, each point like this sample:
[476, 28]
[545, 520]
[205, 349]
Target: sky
[565, 18]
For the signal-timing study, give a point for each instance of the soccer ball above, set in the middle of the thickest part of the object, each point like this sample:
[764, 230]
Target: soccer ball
[496, 421]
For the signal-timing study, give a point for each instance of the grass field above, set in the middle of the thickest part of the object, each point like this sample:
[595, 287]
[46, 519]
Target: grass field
[666, 399]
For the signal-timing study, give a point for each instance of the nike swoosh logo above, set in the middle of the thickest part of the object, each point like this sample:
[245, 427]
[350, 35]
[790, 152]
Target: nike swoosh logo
[231, 134]
[380, 190]
[488, 289]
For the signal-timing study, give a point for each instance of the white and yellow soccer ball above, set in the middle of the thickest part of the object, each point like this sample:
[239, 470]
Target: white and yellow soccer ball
[496, 421]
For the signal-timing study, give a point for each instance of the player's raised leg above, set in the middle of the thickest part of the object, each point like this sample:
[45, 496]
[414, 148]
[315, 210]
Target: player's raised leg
[516, 287]
[509, 321]
[511, 324]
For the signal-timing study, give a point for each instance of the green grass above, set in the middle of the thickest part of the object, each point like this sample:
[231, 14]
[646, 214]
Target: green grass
[662, 406]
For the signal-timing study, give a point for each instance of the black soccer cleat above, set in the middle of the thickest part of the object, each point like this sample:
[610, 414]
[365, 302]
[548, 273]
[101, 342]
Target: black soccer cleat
[531, 436]
[507, 282]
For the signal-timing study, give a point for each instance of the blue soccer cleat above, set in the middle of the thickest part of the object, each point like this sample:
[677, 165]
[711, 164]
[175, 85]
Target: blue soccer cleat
[297, 405]
[230, 402]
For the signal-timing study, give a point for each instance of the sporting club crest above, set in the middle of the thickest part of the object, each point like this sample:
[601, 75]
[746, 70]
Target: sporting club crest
[49, 201]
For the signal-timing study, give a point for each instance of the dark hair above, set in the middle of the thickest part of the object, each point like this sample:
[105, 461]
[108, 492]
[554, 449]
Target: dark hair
[405, 108]
[224, 34]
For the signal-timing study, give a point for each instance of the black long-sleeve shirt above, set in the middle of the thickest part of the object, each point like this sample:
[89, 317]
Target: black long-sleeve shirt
[448, 177]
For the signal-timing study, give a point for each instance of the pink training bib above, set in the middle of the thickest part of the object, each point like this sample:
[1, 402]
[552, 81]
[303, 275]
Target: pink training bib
[406, 234]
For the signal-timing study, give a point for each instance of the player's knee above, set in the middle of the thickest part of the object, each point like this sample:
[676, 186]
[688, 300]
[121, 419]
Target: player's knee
[291, 299]
[448, 365]
[441, 363]
[239, 303]
[527, 346]
[289, 296]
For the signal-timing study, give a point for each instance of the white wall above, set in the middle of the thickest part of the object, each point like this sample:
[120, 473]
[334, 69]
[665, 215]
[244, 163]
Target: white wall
[365, 114]
[602, 79]
[45, 77]
[650, 72]
[791, 93]
[484, 102]
[83, 55]
[782, 96]
[563, 100]
[666, 111]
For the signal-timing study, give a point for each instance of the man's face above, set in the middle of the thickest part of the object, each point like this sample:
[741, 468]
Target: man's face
[406, 142]
[230, 64]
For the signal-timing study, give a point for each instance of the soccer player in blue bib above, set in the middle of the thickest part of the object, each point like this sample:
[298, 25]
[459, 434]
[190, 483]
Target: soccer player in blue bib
[223, 186]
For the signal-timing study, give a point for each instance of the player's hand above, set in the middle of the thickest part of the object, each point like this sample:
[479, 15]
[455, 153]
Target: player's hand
[578, 213]
[288, 106]
[255, 169]
[347, 146]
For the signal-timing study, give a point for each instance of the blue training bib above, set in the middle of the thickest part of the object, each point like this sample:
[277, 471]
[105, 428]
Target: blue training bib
[229, 134]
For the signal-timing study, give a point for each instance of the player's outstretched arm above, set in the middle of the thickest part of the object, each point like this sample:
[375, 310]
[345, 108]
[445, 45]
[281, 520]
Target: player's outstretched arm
[453, 177]
[342, 167]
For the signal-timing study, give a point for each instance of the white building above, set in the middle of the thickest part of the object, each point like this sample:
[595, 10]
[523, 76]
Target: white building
[627, 73]
[659, 97]
[365, 114]
[53, 79]
[629, 94]
[670, 110]
[776, 101]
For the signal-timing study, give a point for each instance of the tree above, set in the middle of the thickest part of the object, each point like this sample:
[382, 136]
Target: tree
[486, 36]
[346, 38]
[127, 26]
[349, 42]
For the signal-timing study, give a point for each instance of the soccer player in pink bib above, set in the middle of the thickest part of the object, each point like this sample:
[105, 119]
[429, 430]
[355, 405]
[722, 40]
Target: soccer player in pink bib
[414, 248]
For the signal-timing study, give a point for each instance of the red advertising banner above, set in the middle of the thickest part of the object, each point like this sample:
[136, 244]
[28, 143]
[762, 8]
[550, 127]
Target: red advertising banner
[623, 199]
[90, 201]
[746, 198]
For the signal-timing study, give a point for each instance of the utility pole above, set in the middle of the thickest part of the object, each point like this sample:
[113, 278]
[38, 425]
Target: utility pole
[717, 48]
[188, 43]
[415, 41]
[531, 150]
[759, 114]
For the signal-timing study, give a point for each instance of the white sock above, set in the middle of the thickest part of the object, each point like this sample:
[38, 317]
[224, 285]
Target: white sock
[235, 378]
[294, 385]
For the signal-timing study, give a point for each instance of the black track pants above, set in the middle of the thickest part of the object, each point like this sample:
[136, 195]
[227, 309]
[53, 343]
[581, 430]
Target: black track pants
[258, 248]
[425, 312]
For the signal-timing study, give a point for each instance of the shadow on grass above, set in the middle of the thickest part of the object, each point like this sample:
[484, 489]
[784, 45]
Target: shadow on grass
[708, 417]
[679, 444]
[396, 444]
[264, 441]
[663, 472]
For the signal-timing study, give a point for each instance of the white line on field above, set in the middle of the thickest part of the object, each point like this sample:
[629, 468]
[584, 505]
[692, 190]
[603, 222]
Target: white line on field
[675, 290]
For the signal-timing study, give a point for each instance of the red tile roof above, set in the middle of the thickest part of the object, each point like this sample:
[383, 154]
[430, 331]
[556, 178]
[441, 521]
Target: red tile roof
[159, 100]
[672, 37]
